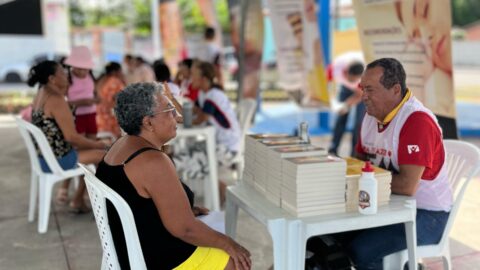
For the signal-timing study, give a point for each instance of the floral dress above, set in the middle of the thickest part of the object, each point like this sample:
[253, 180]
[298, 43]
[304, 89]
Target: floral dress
[106, 120]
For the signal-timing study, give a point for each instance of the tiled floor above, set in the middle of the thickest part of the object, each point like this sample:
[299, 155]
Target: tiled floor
[72, 241]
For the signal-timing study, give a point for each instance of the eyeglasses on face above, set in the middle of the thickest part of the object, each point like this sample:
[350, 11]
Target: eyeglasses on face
[170, 108]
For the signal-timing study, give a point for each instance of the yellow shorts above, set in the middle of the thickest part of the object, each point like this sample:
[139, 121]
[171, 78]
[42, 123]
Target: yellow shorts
[205, 258]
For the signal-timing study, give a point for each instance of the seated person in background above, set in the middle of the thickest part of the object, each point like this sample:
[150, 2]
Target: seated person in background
[170, 235]
[108, 86]
[389, 138]
[213, 108]
[172, 91]
[184, 79]
[143, 71]
[51, 113]
[163, 75]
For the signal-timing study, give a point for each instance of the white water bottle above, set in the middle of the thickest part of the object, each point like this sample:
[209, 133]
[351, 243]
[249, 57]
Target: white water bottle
[367, 191]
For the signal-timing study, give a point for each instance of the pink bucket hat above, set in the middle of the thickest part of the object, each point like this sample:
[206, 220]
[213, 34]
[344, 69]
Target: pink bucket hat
[80, 58]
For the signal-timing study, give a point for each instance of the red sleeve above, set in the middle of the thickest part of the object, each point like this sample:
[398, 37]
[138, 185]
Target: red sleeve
[419, 140]
[358, 146]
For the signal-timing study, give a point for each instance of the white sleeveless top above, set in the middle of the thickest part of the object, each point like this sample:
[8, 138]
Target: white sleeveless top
[230, 137]
[436, 194]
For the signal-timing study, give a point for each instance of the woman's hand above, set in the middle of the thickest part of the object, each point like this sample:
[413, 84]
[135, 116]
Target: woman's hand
[198, 211]
[239, 255]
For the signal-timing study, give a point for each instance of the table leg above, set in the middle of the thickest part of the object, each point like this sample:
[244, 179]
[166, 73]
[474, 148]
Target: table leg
[212, 198]
[278, 231]
[296, 245]
[411, 234]
[231, 214]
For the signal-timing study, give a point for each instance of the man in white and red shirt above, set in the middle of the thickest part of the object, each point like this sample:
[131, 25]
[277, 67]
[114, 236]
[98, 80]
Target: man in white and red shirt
[399, 134]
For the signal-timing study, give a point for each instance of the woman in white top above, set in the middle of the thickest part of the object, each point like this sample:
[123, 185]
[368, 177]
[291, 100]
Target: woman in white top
[213, 108]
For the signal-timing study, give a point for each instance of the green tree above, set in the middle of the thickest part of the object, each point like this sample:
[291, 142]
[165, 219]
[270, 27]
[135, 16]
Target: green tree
[136, 14]
[465, 12]
[193, 21]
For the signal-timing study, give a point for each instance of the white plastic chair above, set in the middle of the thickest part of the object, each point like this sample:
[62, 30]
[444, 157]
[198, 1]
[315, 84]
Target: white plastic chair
[245, 112]
[463, 162]
[99, 193]
[41, 182]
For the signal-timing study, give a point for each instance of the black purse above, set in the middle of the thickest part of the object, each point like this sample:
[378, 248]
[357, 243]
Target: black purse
[326, 253]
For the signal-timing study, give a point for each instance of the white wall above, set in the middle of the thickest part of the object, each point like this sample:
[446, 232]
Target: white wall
[466, 53]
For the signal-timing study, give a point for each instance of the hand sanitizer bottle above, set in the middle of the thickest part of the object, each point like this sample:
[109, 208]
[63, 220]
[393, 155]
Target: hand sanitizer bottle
[303, 132]
[367, 192]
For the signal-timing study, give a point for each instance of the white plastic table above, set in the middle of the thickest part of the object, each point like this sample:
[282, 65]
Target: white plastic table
[290, 234]
[212, 199]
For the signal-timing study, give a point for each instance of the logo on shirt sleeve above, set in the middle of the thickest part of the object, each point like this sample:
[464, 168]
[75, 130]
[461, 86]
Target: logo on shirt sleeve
[413, 148]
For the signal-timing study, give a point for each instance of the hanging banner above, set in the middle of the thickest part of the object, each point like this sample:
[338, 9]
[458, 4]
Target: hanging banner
[253, 43]
[299, 49]
[172, 33]
[417, 33]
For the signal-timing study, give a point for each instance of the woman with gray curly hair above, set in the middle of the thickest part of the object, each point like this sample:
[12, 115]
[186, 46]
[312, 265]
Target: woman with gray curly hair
[170, 235]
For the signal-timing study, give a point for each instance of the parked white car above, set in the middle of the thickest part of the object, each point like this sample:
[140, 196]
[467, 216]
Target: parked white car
[18, 72]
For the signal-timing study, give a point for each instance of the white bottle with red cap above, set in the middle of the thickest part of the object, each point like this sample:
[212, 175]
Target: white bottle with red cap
[367, 191]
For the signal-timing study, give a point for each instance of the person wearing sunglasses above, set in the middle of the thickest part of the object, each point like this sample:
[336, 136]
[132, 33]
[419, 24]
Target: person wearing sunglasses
[170, 235]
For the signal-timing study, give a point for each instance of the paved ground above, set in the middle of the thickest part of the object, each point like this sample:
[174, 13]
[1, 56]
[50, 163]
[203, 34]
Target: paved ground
[72, 241]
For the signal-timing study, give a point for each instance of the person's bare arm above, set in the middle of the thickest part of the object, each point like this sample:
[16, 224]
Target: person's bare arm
[64, 118]
[355, 98]
[200, 116]
[407, 181]
[166, 191]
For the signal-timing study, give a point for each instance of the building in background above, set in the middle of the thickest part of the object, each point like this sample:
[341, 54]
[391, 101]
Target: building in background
[31, 29]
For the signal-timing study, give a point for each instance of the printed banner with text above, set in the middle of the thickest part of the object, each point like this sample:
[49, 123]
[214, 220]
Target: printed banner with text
[417, 33]
[299, 52]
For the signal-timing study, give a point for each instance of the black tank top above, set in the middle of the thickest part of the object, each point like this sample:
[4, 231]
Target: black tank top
[161, 249]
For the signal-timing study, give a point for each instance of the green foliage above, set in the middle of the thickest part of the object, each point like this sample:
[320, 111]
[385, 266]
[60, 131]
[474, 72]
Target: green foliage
[142, 20]
[193, 21]
[136, 14]
[465, 12]
[221, 7]
[192, 18]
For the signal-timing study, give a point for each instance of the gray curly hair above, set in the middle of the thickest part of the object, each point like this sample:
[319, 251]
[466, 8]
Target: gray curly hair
[134, 103]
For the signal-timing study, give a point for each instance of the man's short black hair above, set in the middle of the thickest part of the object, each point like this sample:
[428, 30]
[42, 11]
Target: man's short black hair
[393, 73]
[209, 33]
[355, 69]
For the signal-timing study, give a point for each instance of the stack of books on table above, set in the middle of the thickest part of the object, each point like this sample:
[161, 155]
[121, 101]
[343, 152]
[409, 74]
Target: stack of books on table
[256, 145]
[264, 147]
[354, 171]
[274, 165]
[313, 185]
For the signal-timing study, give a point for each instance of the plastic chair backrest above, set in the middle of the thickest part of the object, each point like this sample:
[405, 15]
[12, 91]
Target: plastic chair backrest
[30, 133]
[99, 193]
[463, 162]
